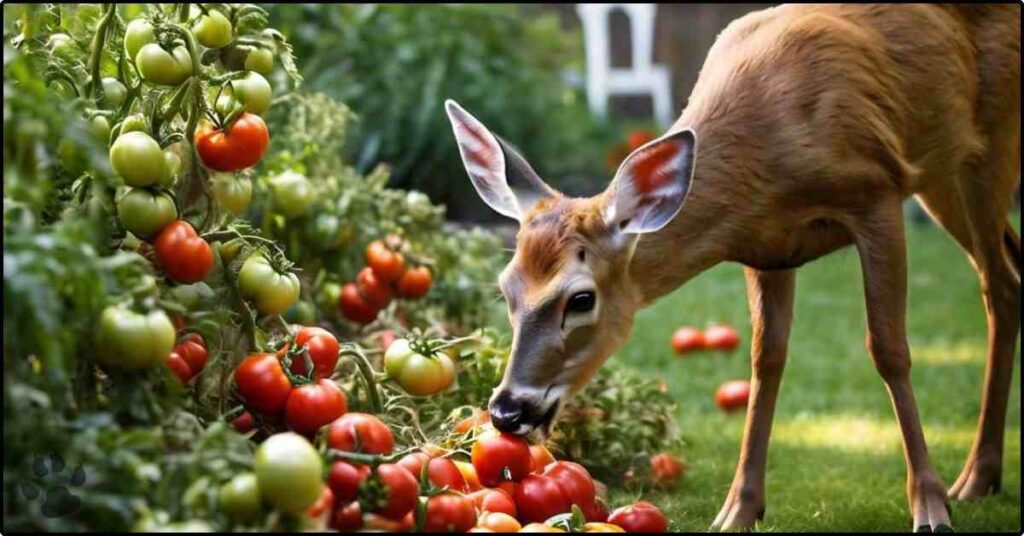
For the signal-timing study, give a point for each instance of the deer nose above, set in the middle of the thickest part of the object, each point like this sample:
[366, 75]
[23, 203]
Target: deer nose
[506, 413]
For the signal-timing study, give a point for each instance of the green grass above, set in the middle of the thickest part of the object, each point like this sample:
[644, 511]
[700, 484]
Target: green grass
[836, 460]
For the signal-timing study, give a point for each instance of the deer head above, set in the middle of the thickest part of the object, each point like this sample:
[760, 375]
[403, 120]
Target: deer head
[571, 297]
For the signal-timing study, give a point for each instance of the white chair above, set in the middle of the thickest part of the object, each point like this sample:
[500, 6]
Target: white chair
[643, 77]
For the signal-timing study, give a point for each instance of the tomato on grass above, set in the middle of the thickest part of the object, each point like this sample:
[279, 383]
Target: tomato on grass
[639, 517]
[262, 383]
[721, 337]
[687, 339]
[733, 395]
[666, 468]
[182, 254]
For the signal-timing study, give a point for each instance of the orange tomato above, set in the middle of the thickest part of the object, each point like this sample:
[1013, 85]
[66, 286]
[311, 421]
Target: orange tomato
[498, 522]
[542, 457]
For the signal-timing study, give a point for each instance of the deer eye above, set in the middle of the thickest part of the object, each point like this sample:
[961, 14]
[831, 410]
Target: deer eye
[581, 302]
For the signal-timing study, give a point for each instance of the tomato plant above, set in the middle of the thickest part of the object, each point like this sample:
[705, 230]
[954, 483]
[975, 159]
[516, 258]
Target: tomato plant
[183, 255]
[131, 340]
[138, 33]
[263, 384]
[360, 432]
[288, 472]
[253, 92]
[311, 406]
[241, 145]
[274, 292]
[498, 456]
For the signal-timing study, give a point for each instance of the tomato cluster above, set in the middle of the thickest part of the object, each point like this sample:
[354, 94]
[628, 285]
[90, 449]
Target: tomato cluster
[717, 337]
[188, 358]
[385, 276]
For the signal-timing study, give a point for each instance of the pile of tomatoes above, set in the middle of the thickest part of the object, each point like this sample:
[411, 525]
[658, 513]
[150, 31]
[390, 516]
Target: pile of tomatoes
[385, 276]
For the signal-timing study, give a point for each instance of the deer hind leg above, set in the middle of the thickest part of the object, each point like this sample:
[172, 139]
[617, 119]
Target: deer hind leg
[976, 217]
[879, 236]
[770, 296]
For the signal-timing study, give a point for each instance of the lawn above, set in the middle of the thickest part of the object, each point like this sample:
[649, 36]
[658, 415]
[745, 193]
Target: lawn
[836, 461]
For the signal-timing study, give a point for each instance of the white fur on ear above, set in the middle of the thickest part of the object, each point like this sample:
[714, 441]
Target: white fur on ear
[652, 183]
[484, 161]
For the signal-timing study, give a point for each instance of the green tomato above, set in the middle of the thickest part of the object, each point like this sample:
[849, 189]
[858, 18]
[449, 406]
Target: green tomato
[134, 123]
[159, 66]
[233, 193]
[260, 60]
[193, 296]
[302, 313]
[417, 374]
[129, 340]
[240, 499]
[330, 294]
[173, 163]
[61, 88]
[288, 472]
[229, 250]
[272, 291]
[144, 212]
[62, 45]
[137, 34]
[114, 93]
[293, 194]
[138, 159]
[71, 157]
[213, 30]
[253, 92]
[100, 128]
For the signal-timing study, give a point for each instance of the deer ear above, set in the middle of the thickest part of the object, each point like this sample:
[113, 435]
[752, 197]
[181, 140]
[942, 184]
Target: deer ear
[651, 185]
[503, 178]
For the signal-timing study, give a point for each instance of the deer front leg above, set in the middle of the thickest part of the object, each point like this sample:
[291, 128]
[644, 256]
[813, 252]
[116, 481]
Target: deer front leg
[882, 249]
[770, 296]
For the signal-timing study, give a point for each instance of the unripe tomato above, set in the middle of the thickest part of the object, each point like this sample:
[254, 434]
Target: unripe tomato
[449, 512]
[288, 472]
[376, 293]
[354, 307]
[262, 383]
[253, 92]
[232, 192]
[720, 337]
[239, 498]
[360, 432]
[183, 255]
[329, 297]
[133, 341]
[144, 212]
[498, 522]
[272, 291]
[137, 34]
[539, 497]
[301, 312]
[260, 60]
[733, 395]
[138, 159]
[114, 93]
[687, 339]
[62, 45]
[241, 146]
[418, 374]
[639, 517]
[158, 66]
[134, 123]
[314, 405]
[495, 452]
[666, 468]
[100, 128]
[293, 193]
[344, 480]
[213, 30]
[387, 265]
[322, 347]
[414, 283]
[229, 250]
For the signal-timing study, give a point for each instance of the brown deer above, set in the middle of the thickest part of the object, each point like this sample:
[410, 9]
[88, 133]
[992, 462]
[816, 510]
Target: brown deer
[808, 127]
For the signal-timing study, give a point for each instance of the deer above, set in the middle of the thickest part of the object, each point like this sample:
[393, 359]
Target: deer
[807, 129]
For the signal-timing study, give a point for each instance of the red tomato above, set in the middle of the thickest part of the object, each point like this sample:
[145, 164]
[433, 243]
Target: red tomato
[639, 517]
[575, 482]
[183, 254]
[495, 452]
[359, 432]
[733, 395]
[449, 512]
[322, 347]
[243, 423]
[193, 351]
[414, 283]
[595, 512]
[387, 265]
[539, 497]
[179, 367]
[314, 405]
[354, 307]
[440, 471]
[687, 339]
[397, 493]
[375, 292]
[721, 337]
[493, 500]
[347, 517]
[262, 383]
[323, 504]
[344, 479]
[542, 457]
[240, 147]
[377, 523]
[666, 468]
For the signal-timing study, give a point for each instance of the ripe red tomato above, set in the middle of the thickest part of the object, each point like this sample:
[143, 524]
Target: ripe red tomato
[733, 395]
[344, 479]
[542, 457]
[347, 517]
[539, 497]
[377, 523]
[314, 405]
[322, 347]
[414, 283]
[179, 367]
[387, 265]
[687, 339]
[595, 512]
[449, 512]
[440, 471]
[243, 423]
[183, 254]
[193, 351]
[575, 482]
[375, 292]
[493, 452]
[493, 500]
[262, 383]
[397, 493]
[354, 307]
[721, 337]
[240, 147]
[360, 432]
[323, 504]
[666, 468]
[639, 517]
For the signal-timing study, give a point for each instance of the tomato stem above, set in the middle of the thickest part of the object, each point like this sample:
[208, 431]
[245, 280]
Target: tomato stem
[366, 373]
[98, 39]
